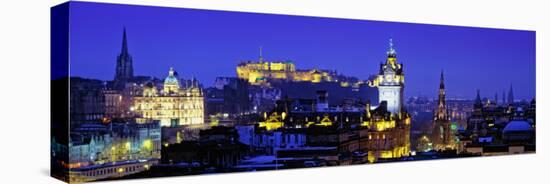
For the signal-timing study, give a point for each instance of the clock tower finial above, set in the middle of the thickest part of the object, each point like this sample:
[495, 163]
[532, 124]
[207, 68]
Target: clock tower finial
[391, 51]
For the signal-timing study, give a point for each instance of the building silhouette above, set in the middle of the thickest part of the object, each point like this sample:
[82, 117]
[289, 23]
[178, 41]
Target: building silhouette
[124, 66]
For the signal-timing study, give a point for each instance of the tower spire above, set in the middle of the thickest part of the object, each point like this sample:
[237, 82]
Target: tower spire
[511, 95]
[124, 42]
[441, 107]
[441, 82]
[124, 67]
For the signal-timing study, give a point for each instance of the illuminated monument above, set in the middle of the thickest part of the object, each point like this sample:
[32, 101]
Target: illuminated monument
[262, 72]
[172, 105]
[390, 82]
[389, 123]
[443, 133]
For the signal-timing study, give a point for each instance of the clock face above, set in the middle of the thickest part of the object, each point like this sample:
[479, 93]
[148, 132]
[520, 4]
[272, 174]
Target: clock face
[388, 78]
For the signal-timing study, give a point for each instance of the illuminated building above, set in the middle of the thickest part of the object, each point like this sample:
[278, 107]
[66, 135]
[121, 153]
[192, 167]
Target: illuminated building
[377, 133]
[389, 123]
[382, 133]
[110, 170]
[262, 72]
[98, 151]
[390, 82]
[388, 135]
[443, 130]
[173, 105]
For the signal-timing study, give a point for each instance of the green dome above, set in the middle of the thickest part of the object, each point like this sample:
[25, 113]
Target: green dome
[171, 79]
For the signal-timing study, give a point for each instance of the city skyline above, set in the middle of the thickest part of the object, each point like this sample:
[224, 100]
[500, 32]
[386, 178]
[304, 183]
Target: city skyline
[492, 61]
[278, 92]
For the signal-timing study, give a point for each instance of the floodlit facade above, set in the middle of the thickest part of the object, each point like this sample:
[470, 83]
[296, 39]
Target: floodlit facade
[99, 151]
[173, 105]
[261, 72]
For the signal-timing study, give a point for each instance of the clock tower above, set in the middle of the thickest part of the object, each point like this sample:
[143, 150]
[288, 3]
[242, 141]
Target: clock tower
[390, 82]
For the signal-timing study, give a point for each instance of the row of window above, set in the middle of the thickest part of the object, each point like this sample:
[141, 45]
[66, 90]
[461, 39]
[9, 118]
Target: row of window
[112, 170]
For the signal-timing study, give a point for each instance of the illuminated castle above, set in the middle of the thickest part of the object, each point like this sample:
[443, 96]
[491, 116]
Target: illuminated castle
[443, 133]
[262, 72]
[172, 105]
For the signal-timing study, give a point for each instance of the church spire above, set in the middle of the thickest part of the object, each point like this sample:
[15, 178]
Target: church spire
[441, 81]
[124, 43]
[441, 107]
[477, 103]
[124, 67]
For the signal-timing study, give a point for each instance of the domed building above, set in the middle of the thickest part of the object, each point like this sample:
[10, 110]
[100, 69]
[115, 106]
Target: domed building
[518, 131]
[171, 83]
[173, 105]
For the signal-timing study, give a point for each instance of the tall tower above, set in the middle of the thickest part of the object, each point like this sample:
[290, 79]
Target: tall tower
[478, 105]
[443, 135]
[511, 95]
[390, 81]
[441, 105]
[124, 68]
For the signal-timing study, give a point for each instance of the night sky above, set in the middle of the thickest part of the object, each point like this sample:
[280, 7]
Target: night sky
[207, 44]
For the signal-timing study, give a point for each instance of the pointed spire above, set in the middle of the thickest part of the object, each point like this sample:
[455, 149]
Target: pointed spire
[478, 98]
[442, 107]
[124, 42]
[441, 82]
[124, 67]
[511, 95]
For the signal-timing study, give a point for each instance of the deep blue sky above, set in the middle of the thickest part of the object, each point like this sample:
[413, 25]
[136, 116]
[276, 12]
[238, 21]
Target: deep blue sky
[206, 44]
